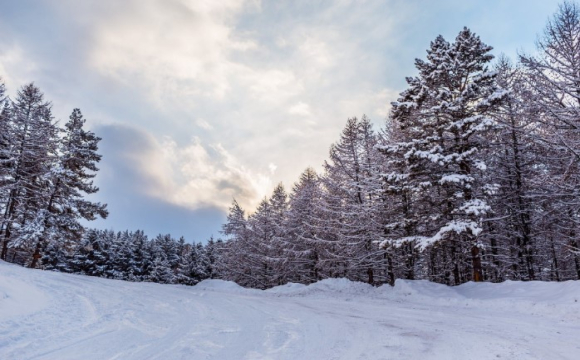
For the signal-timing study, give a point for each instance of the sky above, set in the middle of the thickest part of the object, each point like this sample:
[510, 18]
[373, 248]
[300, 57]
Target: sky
[199, 102]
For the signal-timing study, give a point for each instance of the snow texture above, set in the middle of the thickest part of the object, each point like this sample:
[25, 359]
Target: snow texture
[48, 315]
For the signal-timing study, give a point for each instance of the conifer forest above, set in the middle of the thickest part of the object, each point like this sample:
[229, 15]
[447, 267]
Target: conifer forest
[474, 176]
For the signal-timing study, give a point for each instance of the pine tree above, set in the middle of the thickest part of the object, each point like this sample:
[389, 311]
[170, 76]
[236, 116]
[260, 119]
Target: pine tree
[140, 256]
[92, 256]
[278, 214]
[554, 76]
[305, 249]
[55, 259]
[511, 236]
[210, 258]
[161, 272]
[71, 181]
[236, 253]
[5, 141]
[32, 152]
[444, 116]
[351, 204]
[5, 149]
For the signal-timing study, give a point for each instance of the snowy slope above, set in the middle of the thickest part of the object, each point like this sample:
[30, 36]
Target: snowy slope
[46, 315]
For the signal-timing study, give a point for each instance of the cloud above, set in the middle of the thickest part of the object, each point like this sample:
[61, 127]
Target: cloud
[210, 175]
[171, 47]
[133, 166]
[193, 176]
[203, 124]
[272, 168]
[15, 68]
[301, 109]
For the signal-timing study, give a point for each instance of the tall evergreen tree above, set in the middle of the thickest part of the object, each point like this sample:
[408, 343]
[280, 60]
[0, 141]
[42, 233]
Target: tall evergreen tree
[32, 153]
[305, 249]
[444, 116]
[511, 236]
[351, 202]
[71, 181]
[555, 77]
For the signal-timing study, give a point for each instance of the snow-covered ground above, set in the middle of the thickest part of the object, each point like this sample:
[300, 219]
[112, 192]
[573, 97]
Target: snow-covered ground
[45, 315]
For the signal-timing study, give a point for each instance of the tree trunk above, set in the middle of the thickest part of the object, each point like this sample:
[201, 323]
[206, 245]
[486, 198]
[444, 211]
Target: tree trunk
[36, 255]
[5, 243]
[391, 272]
[476, 263]
[555, 260]
[576, 257]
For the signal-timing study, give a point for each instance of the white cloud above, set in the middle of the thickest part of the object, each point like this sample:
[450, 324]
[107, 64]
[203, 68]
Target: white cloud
[172, 47]
[16, 69]
[274, 91]
[272, 168]
[301, 109]
[203, 124]
[198, 175]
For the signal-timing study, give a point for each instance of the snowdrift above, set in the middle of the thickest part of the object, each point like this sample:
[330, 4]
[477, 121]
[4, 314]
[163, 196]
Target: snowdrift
[45, 315]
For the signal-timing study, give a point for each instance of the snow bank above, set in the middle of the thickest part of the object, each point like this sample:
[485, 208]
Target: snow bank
[46, 315]
[223, 286]
[17, 297]
[287, 289]
[547, 298]
[325, 288]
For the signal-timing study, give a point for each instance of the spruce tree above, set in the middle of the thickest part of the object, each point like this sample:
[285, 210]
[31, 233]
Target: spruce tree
[444, 116]
[71, 181]
[32, 151]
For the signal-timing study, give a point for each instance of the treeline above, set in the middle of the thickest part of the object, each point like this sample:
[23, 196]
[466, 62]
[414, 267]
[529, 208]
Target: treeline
[45, 174]
[474, 177]
[131, 256]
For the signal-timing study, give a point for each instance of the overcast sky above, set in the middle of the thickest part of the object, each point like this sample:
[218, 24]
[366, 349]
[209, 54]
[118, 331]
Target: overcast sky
[202, 101]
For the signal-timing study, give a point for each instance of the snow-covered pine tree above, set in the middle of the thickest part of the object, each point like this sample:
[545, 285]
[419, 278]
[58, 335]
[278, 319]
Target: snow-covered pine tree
[397, 206]
[5, 145]
[166, 249]
[265, 240]
[210, 257]
[164, 260]
[279, 210]
[236, 254]
[444, 116]
[4, 139]
[259, 246]
[161, 272]
[70, 181]
[511, 235]
[91, 256]
[351, 204]
[32, 152]
[555, 77]
[120, 260]
[55, 258]
[141, 256]
[195, 265]
[305, 250]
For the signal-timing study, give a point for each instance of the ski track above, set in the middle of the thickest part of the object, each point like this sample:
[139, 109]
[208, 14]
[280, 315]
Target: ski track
[76, 317]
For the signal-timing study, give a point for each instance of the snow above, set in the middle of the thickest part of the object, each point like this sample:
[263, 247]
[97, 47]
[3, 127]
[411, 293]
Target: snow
[46, 315]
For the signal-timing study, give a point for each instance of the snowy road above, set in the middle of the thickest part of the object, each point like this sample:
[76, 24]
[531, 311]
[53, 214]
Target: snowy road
[46, 315]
